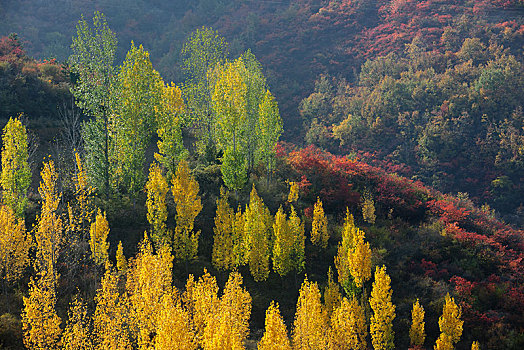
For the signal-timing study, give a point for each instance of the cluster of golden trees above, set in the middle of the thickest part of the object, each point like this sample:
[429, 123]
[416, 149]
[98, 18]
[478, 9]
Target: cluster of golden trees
[136, 304]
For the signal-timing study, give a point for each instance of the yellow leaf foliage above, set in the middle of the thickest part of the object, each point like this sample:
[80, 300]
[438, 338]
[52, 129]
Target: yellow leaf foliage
[283, 244]
[170, 144]
[121, 262]
[359, 259]
[319, 229]
[332, 296]
[298, 239]
[111, 319]
[188, 205]
[475, 345]
[228, 326]
[149, 278]
[275, 334]
[354, 255]
[240, 240]
[368, 208]
[14, 245]
[157, 188]
[257, 227]
[81, 213]
[222, 256]
[416, 332]
[310, 326]
[48, 236]
[201, 301]
[450, 323]
[77, 335]
[16, 174]
[40, 323]
[381, 326]
[348, 326]
[444, 342]
[174, 330]
[293, 192]
[98, 241]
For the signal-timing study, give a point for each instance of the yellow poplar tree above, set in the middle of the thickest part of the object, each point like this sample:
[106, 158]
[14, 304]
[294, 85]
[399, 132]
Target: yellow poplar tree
[149, 278]
[319, 230]
[157, 188]
[475, 345]
[283, 244]
[275, 334]
[201, 301]
[40, 323]
[174, 330]
[222, 255]
[111, 318]
[293, 192]
[77, 334]
[188, 205]
[16, 174]
[98, 241]
[48, 235]
[332, 296]
[169, 120]
[14, 245]
[298, 237]
[348, 326]
[341, 260]
[360, 259]
[240, 240]
[309, 328]
[450, 324]
[257, 227]
[228, 326]
[81, 213]
[381, 327]
[121, 262]
[416, 332]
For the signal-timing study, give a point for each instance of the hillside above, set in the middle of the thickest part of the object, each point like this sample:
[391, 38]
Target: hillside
[232, 174]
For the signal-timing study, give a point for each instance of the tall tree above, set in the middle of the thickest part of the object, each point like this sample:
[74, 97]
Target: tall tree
[282, 245]
[40, 323]
[332, 296]
[416, 332]
[157, 188]
[269, 129]
[98, 241]
[188, 205]
[222, 255]
[450, 324]
[348, 326]
[202, 51]
[111, 318]
[229, 100]
[92, 62]
[381, 327]
[80, 214]
[309, 328]
[148, 280]
[201, 301]
[48, 235]
[228, 326]
[275, 333]
[16, 175]
[257, 226]
[14, 246]
[174, 330]
[296, 228]
[170, 120]
[77, 333]
[319, 230]
[134, 120]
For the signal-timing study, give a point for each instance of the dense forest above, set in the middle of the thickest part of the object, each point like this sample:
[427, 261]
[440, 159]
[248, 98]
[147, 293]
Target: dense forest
[262, 174]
